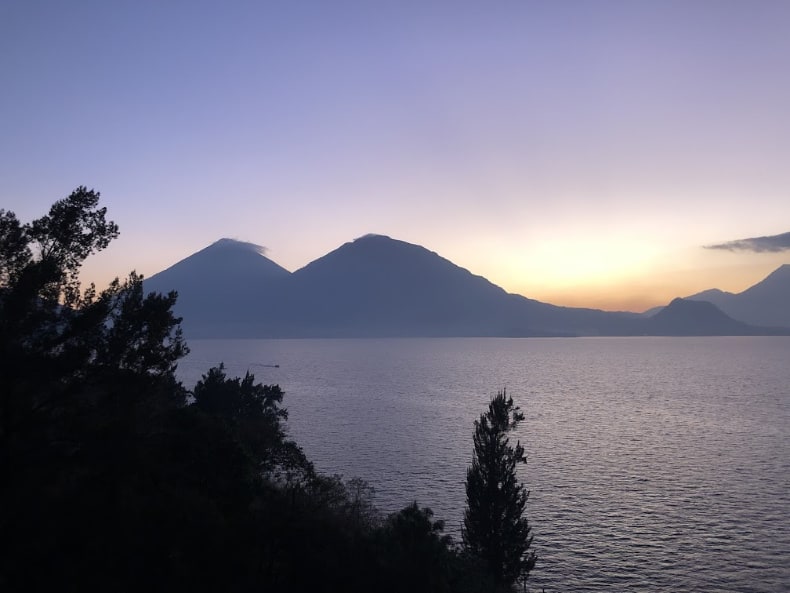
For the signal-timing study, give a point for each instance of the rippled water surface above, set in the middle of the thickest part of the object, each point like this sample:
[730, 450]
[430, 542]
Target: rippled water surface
[656, 464]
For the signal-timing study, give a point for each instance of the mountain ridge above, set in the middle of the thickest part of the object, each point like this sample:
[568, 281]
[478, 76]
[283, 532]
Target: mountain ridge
[377, 286]
[766, 303]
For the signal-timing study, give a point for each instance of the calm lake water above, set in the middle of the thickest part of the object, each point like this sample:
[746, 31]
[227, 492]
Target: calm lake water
[655, 464]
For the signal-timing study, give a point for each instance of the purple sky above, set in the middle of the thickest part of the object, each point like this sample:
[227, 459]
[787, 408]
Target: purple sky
[577, 152]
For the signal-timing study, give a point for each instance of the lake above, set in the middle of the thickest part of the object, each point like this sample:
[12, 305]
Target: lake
[658, 464]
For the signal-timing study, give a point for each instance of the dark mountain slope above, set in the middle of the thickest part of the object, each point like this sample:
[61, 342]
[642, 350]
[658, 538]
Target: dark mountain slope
[376, 285]
[379, 286]
[684, 317]
[223, 288]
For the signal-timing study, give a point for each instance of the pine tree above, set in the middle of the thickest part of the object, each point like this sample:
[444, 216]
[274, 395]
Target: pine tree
[495, 528]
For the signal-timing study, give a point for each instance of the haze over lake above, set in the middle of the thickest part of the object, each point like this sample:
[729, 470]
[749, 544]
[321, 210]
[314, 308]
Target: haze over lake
[654, 463]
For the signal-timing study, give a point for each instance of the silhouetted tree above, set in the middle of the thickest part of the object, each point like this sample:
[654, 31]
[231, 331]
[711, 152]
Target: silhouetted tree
[495, 528]
[253, 413]
[88, 392]
[417, 556]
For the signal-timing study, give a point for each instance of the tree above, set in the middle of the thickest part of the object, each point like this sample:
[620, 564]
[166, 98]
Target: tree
[45, 256]
[253, 413]
[495, 529]
[417, 555]
[61, 348]
[88, 393]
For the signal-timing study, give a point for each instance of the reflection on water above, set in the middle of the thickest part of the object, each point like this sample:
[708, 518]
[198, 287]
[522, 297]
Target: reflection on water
[654, 463]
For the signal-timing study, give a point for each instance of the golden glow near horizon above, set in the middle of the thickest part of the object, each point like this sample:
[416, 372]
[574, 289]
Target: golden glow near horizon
[677, 275]
[565, 264]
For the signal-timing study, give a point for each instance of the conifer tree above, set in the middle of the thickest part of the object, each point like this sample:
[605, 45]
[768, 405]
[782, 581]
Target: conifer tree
[495, 528]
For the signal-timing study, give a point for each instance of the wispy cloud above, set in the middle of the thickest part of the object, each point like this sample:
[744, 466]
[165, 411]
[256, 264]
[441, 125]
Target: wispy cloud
[770, 244]
[243, 245]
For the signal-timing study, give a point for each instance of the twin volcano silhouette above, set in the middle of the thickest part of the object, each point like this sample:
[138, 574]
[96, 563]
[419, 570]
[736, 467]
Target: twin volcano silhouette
[376, 286]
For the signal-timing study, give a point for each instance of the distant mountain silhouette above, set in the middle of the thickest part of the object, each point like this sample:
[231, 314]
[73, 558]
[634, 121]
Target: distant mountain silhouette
[765, 304]
[375, 286]
[684, 317]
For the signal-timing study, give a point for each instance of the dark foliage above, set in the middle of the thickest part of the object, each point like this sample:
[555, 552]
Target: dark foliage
[495, 528]
[116, 478]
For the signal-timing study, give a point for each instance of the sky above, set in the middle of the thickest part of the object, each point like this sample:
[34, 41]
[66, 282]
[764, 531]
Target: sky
[584, 153]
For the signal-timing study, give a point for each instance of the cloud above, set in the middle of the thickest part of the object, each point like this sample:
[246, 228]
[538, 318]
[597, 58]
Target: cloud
[242, 245]
[770, 244]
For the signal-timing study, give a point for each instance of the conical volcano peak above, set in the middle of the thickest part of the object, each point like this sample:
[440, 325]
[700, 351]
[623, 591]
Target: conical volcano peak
[220, 265]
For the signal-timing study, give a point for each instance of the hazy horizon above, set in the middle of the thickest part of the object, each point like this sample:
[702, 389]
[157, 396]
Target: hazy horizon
[611, 155]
